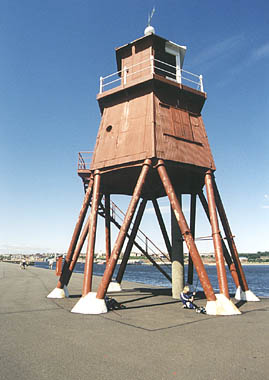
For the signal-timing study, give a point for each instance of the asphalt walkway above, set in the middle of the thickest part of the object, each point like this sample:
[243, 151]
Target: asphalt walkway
[152, 338]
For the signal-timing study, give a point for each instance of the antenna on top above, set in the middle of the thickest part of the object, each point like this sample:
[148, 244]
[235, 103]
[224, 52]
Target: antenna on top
[149, 29]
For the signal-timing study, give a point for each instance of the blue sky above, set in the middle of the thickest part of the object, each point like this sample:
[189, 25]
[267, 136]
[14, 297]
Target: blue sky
[52, 53]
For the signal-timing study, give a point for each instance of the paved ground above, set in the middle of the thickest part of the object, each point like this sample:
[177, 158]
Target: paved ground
[152, 338]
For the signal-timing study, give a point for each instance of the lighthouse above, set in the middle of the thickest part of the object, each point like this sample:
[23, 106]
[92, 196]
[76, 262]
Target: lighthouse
[152, 143]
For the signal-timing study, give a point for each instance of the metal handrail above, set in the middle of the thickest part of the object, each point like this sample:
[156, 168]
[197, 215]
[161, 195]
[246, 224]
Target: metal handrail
[154, 64]
[84, 160]
[149, 244]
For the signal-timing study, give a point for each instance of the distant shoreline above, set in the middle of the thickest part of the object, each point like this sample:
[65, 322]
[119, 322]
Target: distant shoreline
[146, 263]
[260, 263]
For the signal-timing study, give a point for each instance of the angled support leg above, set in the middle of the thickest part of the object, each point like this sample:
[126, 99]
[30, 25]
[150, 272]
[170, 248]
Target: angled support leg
[192, 228]
[87, 283]
[107, 227]
[94, 303]
[143, 251]
[61, 290]
[81, 305]
[123, 231]
[222, 277]
[78, 249]
[215, 306]
[243, 293]
[162, 226]
[130, 244]
[227, 256]
[209, 292]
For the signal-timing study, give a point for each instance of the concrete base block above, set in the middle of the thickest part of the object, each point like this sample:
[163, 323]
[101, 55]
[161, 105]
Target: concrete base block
[114, 287]
[90, 305]
[222, 306]
[248, 295]
[59, 293]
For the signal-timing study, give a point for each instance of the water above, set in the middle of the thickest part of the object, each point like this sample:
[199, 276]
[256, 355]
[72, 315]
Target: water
[257, 276]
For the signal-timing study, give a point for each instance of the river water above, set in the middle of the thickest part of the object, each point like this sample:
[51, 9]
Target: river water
[257, 276]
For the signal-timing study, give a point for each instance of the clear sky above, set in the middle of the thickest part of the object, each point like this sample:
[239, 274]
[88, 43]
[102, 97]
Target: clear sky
[52, 53]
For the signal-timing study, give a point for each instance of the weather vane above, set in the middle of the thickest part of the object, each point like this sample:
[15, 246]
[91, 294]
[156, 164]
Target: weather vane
[151, 15]
[149, 29]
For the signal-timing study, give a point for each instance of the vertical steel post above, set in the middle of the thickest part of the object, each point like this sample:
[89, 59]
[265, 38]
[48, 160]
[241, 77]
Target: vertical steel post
[229, 237]
[186, 233]
[123, 231]
[162, 226]
[65, 271]
[130, 244]
[222, 277]
[87, 282]
[107, 227]
[192, 228]
[227, 257]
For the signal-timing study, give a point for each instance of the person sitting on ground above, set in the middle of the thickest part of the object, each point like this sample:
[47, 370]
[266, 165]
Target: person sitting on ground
[187, 298]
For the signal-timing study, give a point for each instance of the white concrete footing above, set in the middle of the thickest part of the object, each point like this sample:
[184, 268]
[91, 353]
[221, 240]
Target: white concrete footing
[222, 306]
[248, 295]
[90, 305]
[59, 293]
[114, 287]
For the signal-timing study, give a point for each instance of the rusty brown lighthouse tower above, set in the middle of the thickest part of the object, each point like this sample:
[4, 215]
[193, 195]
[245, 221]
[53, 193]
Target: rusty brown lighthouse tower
[152, 143]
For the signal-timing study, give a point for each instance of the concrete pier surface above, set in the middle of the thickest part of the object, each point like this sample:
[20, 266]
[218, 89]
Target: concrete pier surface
[152, 338]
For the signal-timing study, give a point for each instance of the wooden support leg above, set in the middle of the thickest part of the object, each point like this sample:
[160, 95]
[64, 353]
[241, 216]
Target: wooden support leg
[227, 256]
[222, 278]
[162, 226]
[87, 283]
[130, 244]
[199, 266]
[192, 228]
[123, 231]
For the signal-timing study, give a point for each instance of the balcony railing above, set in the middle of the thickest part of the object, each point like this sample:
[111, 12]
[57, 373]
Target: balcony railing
[84, 160]
[151, 66]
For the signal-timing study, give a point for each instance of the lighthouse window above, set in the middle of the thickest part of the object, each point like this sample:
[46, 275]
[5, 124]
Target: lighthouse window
[164, 68]
[109, 128]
